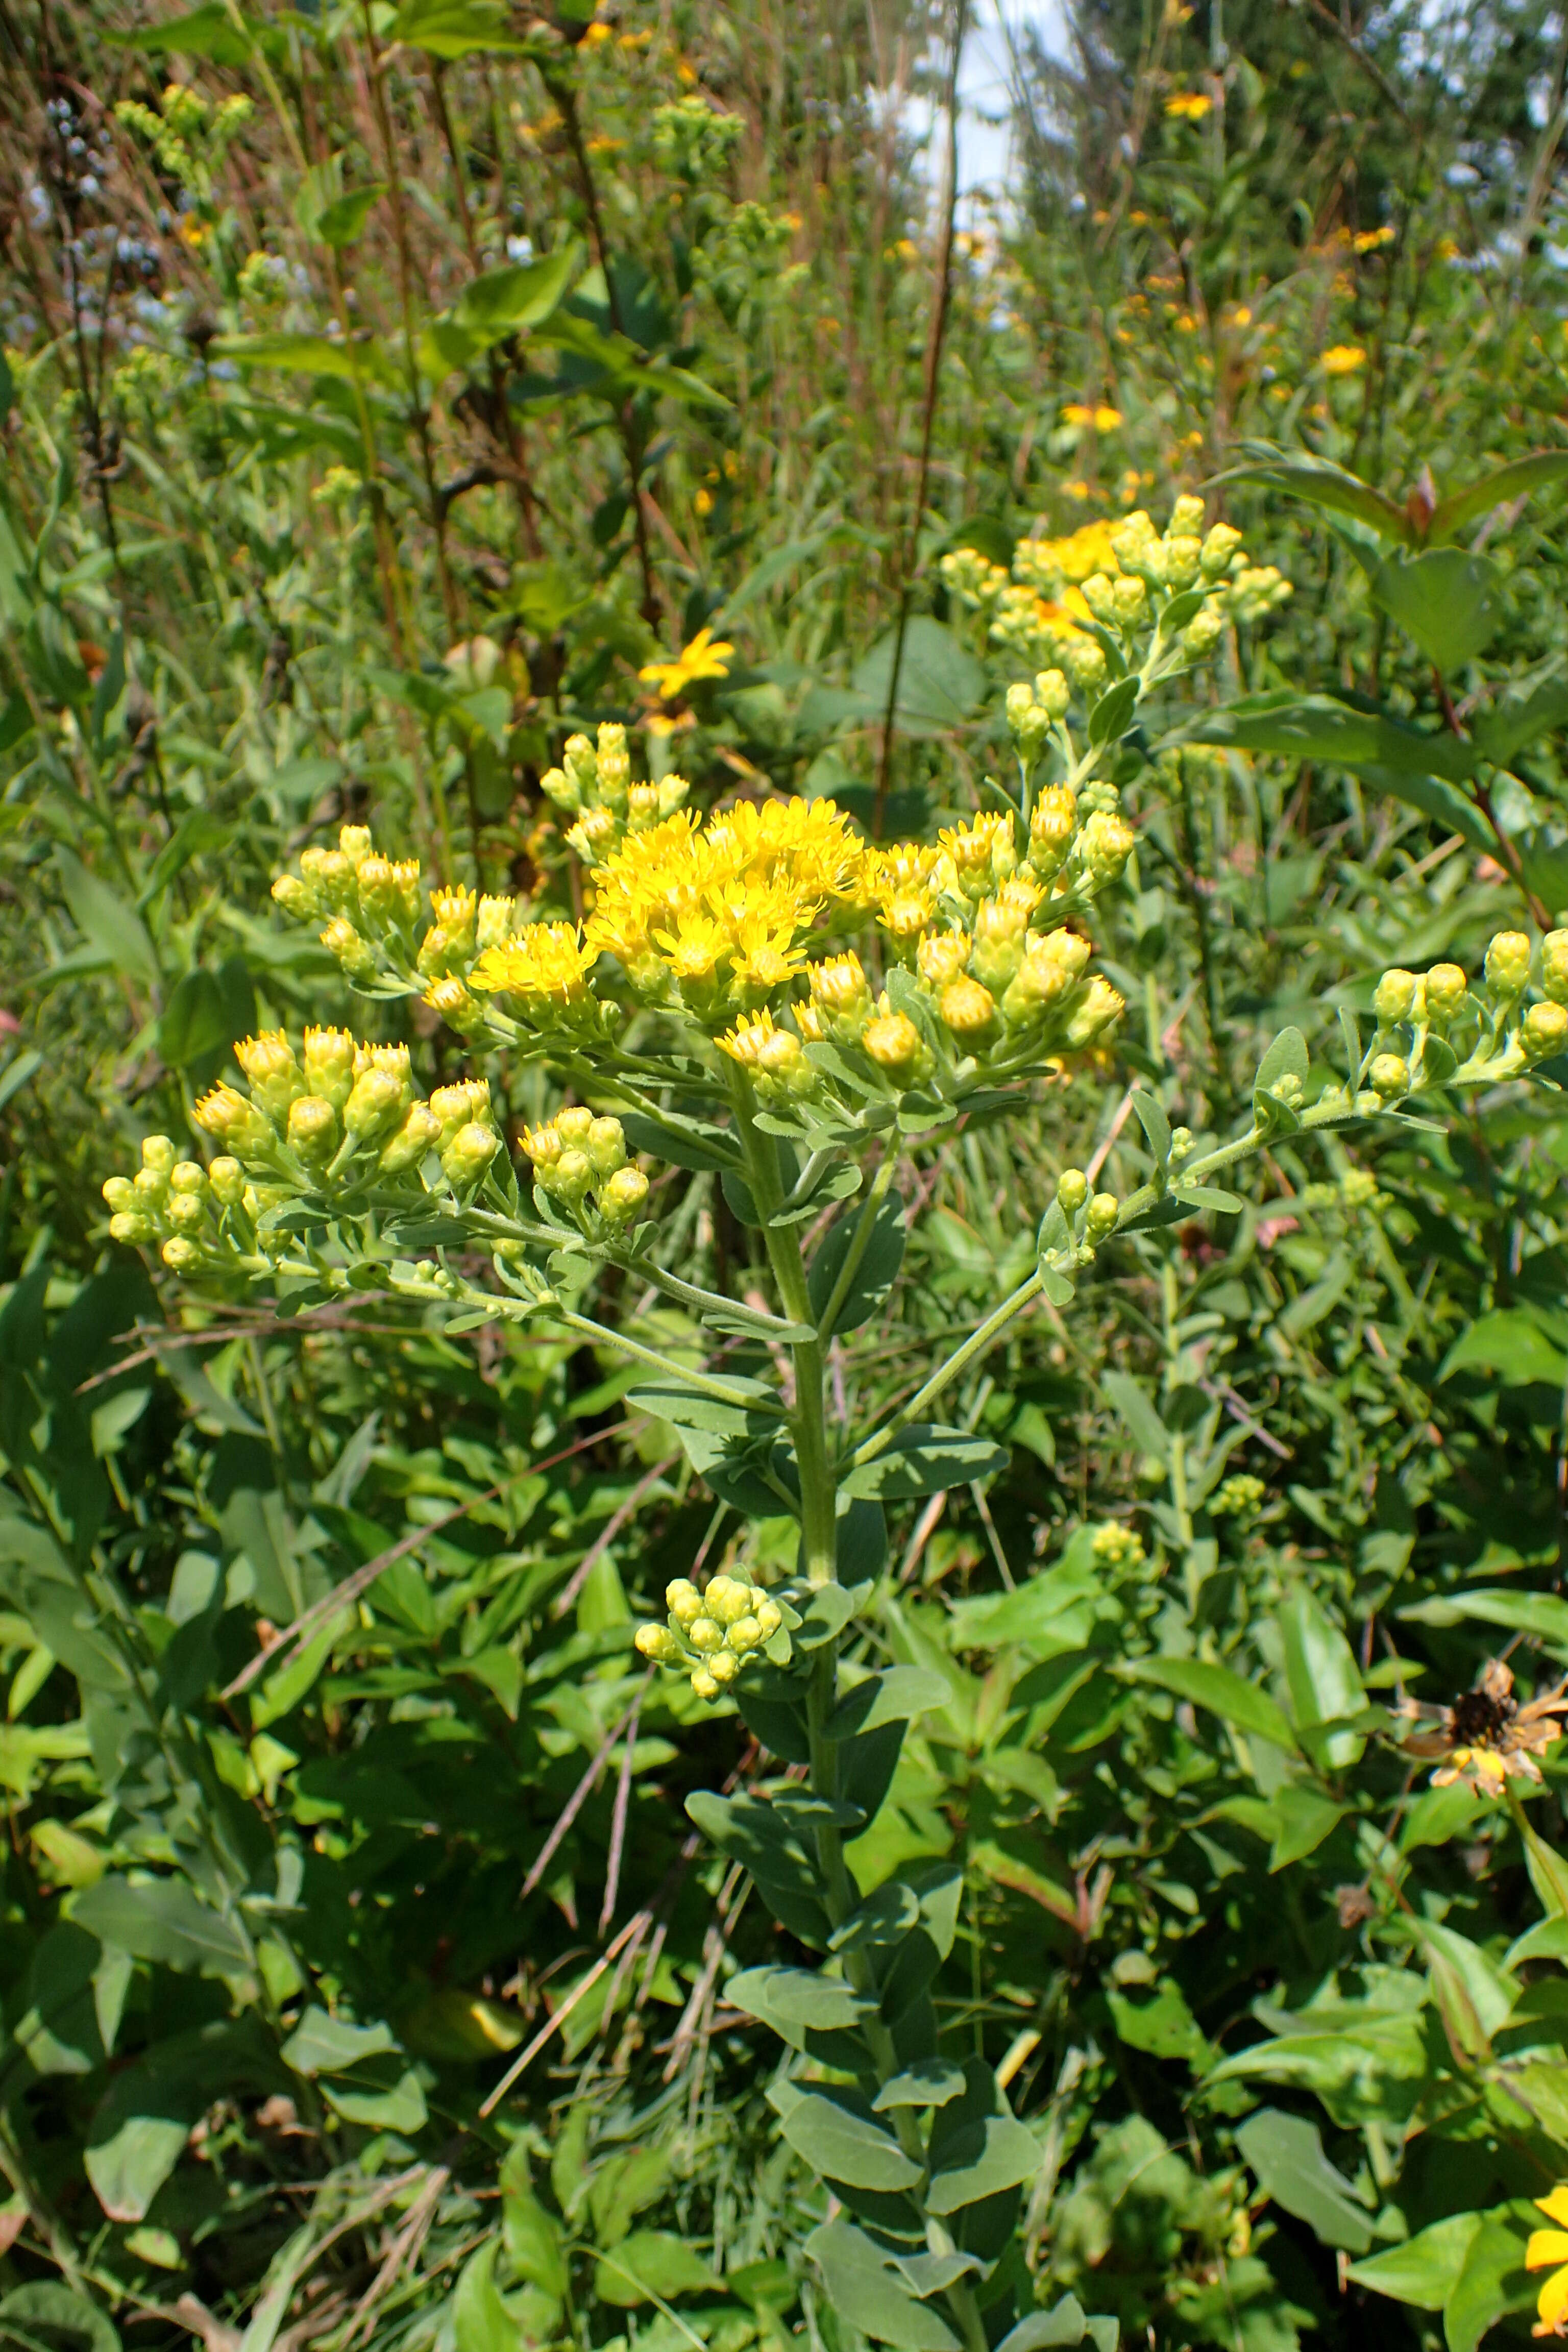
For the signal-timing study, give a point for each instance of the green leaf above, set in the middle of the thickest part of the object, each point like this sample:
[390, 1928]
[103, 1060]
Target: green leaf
[1148, 1432]
[931, 2083]
[1286, 2152]
[756, 1833]
[647, 2265]
[522, 295]
[840, 2142]
[1364, 2063]
[894, 1696]
[1321, 1669]
[1492, 2282]
[1318, 727]
[48, 2317]
[105, 920]
[457, 29]
[1208, 1196]
[874, 1276]
[211, 31]
[1323, 484]
[1225, 1694]
[363, 357]
[1426, 2269]
[1533, 707]
[1162, 2024]
[1156, 1127]
[864, 2287]
[1510, 1342]
[139, 2131]
[1450, 602]
[195, 1021]
[1286, 1058]
[337, 223]
[939, 684]
[323, 2044]
[925, 1459]
[993, 2153]
[162, 1919]
[1064, 2324]
[480, 2320]
[799, 1997]
[1508, 482]
[1113, 714]
[1544, 1614]
[1303, 1818]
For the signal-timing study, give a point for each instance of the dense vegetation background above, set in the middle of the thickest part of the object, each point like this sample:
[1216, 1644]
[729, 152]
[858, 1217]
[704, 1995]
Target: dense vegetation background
[384, 392]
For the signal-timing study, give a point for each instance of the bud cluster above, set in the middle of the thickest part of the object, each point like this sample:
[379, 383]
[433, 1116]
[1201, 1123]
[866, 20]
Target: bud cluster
[1485, 1031]
[189, 1212]
[1239, 1497]
[375, 927]
[1121, 577]
[594, 784]
[581, 1163]
[711, 1633]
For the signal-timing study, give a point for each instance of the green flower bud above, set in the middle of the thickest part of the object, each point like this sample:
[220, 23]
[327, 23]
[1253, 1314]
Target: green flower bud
[149, 1187]
[1554, 966]
[572, 1175]
[745, 1635]
[419, 1130]
[313, 1127]
[329, 1065]
[703, 1684]
[179, 1254]
[1085, 662]
[724, 1666]
[1394, 997]
[227, 1178]
[188, 1176]
[353, 954]
[728, 1599]
[158, 1154]
[185, 1211]
[657, 1642]
[1053, 693]
[1098, 1010]
[1545, 1030]
[770, 1617]
[1130, 600]
[469, 1153]
[683, 1600]
[624, 1196]
[375, 1100]
[1186, 518]
[562, 789]
[1104, 847]
[119, 1192]
[296, 897]
[1219, 548]
[1099, 595]
[1072, 1191]
[1390, 1076]
[1020, 707]
[127, 1227]
[1101, 1215]
[704, 1635]
[1204, 632]
[1183, 558]
[1508, 964]
[1182, 1140]
[1446, 987]
[607, 1146]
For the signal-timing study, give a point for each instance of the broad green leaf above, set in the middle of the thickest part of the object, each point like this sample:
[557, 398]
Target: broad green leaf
[396, 2104]
[1286, 1058]
[1148, 1431]
[1162, 2024]
[1509, 1340]
[140, 2129]
[457, 29]
[337, 223]
[1154, 1124]
[939, 684]
[843, 2145]
[1536, 707]
[1450, 602]
[1324, 484]
[480, 2320]
[931, 2083]
[162, 1919]
[106, 922]
[1544, 1614]
[1364, 2065]
[1224, 1693]
[1321, 1669]
[894, 1696]
[864, 2287]
[1426, 2269]
[1491, 2283]
[211, 31]
[798, 1996]
[875, 1275]
[648, 2263]
[999, 2152]
[521, 295]
[1113, 714]
[925, 1459]
[302, 355]
[756, 1832]
[1064, 2324]
[195, 1021]
[1303, 1818]
[45, 2313]
[1506, 483]
[1286, 2152]
[323, 2044]
[1320, 727]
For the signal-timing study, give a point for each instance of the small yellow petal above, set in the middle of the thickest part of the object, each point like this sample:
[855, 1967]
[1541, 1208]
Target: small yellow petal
[1555, 2207]
[1545, 2246]
[1553, 2300]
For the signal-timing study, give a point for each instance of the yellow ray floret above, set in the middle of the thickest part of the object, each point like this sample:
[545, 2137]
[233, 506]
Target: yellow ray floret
[548, 963]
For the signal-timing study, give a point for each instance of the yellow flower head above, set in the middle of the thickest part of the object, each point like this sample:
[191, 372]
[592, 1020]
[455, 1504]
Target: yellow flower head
[704, 657]
[1548, 2250]
[545, 963]
[1188, 105]
[1344, 358]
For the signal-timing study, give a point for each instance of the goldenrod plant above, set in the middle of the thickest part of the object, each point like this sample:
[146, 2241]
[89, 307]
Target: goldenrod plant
[763, 995]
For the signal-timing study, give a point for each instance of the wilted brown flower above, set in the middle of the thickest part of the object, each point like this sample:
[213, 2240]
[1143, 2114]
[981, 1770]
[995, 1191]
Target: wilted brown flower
[1485, 1737]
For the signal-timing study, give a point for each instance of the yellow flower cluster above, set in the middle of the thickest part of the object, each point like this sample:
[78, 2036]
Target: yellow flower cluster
[713, 1633]
[1118, 575]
